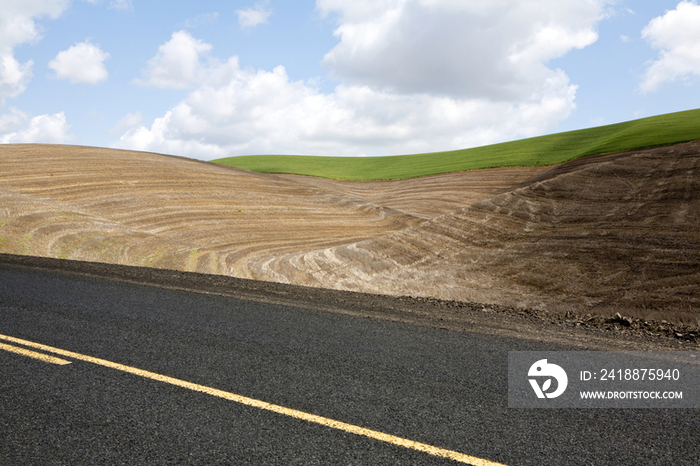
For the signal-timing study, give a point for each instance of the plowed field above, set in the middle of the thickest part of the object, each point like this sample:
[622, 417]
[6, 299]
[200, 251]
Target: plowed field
[601, 234]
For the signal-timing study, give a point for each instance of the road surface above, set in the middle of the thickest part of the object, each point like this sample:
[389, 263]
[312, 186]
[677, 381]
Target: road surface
[156, 375]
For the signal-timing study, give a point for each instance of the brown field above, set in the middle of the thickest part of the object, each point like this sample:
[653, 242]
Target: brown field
[604, 234]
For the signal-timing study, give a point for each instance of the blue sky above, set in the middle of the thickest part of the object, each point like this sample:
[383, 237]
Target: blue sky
[211, 79]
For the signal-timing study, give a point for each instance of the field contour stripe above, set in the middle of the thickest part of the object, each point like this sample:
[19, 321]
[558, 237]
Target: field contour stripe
[399, 441]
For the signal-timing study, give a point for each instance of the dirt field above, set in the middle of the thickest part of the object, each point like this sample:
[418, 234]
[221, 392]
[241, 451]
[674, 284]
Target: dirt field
[617, 233]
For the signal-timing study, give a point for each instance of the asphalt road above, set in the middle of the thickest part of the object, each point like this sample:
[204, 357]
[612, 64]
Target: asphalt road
[442, 388]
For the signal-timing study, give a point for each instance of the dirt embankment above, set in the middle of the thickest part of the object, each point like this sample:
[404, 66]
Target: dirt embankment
[618, 233]
[608, 234]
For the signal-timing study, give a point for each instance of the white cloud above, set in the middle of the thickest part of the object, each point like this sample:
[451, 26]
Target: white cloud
[14, 77]
[11, 121]
[18, 26]
[477, 49]
[19, 127]
[252, 17]
[676, 35]
[176, 65]
[235, 111]
[416, 76]
[131, 120]
[81, 63]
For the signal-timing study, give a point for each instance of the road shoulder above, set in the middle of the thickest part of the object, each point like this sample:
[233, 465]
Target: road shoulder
[581, 332]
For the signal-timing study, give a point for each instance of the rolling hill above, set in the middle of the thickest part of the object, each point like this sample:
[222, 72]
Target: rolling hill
[661, 130]
[600, 234]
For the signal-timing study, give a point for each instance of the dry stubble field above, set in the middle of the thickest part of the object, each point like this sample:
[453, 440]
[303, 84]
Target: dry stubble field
[603, 234]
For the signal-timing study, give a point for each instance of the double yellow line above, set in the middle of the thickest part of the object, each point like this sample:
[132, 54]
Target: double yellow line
[440, 452]
[33, 354]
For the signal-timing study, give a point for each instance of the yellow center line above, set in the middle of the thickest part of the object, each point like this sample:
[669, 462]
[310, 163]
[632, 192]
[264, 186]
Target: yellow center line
[33, 354]
[440, 452]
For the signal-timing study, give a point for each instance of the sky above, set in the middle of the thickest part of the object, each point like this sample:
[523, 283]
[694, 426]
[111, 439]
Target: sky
[212, 79]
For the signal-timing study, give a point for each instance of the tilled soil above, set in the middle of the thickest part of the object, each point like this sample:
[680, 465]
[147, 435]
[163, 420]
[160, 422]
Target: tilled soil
[617, 233]
[595, 236]
[153, 210]
[147, 209]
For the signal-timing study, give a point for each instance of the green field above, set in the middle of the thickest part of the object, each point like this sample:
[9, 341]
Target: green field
[654, 131]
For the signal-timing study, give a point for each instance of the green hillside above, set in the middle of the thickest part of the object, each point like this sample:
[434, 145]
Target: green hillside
[654, 131]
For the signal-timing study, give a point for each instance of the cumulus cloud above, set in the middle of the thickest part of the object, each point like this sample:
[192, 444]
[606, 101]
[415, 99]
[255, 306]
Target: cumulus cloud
[252, 17]
[416, 76]
[18, 26]
[19, 127]
[131, 120]
[265, 112]
[81, 63]
[14, 77]
[676, 35]
[177, 63]
[477, 49]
